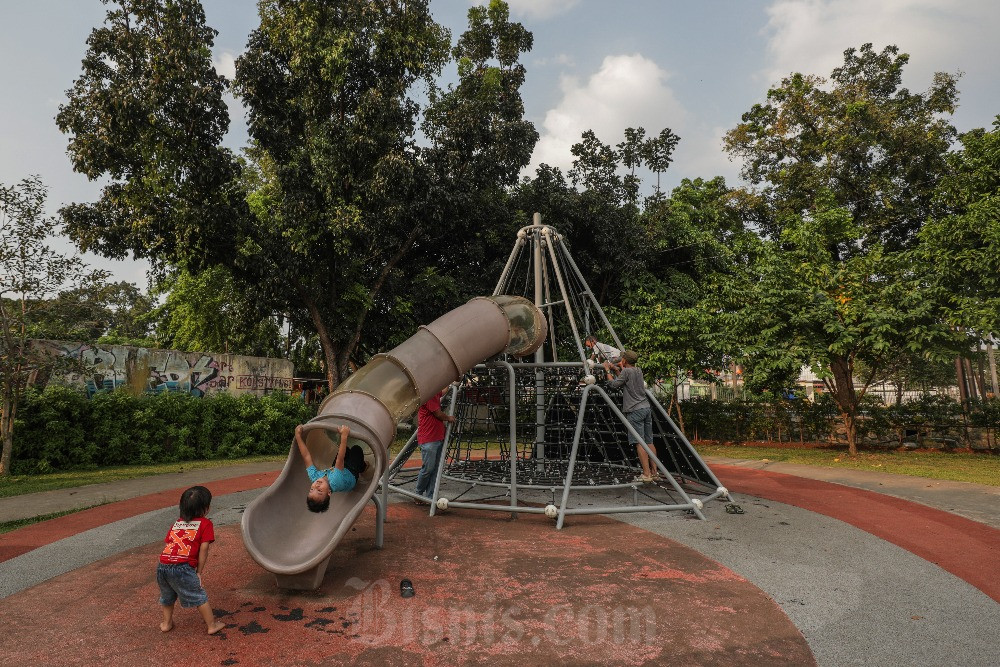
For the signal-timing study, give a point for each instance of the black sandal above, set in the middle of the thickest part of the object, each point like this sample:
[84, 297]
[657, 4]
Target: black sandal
[733, 508]
[406, 588]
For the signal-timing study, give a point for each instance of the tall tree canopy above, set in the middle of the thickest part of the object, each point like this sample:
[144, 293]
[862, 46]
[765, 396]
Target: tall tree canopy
[147, 114]
[346, 196]
[847, 171]
[960, 249]
[355, 182]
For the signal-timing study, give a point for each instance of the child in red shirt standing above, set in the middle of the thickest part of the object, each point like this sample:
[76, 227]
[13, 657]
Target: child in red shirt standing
[183, 560]
[431, 420]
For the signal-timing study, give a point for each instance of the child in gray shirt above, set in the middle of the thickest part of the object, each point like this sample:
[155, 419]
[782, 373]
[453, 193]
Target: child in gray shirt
[635, 405]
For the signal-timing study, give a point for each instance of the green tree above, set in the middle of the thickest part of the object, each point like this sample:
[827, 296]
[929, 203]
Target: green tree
[32, 275]
[631, 152]
[657, 152]
[608, 236]
[328, 87]
[675, 321]
[848, 318]
[350, 214]
[97, 311]
[960, 249]
[147, 116]
[207, 312]
[479, 141]
[848, 170]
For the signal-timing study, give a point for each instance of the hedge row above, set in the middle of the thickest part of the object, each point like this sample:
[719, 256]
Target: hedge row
[932, 421]
[61, 429]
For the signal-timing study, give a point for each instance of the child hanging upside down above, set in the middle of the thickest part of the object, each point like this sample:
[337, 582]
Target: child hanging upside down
[350, 463]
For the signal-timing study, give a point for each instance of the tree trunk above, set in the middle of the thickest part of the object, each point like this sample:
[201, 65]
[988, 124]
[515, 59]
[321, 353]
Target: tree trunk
[960, 378]
[680, 417]
[970, 378]
[328, 346]
[981, 376]
[6, 434]
[847, 399]
[851, 426]
[993, 366]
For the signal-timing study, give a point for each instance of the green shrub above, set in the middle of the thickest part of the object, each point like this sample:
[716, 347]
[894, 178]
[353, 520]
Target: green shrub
[931, 421]
[58, 420]
[60, 429]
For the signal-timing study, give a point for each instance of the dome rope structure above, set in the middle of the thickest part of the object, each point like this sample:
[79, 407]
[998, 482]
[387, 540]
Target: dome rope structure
[547, 428]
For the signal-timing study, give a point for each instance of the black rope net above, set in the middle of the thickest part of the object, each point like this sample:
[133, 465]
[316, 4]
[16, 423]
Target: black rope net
[547, 402]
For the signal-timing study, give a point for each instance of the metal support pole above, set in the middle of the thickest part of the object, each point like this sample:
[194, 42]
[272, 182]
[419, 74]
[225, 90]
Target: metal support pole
[548, 311]
[562, 290]
[379, 520]
[506, 269]
[590, 293]
[652, 454]
[572, 455]
[444, 450]
[513, 437]
[536, 248]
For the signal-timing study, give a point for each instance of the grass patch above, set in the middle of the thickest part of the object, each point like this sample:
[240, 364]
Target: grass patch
[954, 466]
[16, 485]
[7, 526]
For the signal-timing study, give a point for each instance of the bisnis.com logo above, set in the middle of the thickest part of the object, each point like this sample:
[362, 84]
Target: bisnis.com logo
[383, 618]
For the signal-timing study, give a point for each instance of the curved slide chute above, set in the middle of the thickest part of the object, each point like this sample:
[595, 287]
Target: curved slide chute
[280, 533]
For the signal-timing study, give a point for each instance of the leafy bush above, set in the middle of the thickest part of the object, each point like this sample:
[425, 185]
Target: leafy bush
[60, 429]
[60, 420]
[931, 421]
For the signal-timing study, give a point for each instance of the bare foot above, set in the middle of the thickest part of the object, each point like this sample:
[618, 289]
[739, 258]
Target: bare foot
[166, 627]
[215, 627]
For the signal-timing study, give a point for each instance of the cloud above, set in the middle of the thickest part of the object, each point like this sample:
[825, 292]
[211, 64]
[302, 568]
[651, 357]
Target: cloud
[225, 64]
[810, 36]
[627, 91]
[538, 9]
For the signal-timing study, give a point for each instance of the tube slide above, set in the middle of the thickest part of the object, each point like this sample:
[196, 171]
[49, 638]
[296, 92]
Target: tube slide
[279, 531]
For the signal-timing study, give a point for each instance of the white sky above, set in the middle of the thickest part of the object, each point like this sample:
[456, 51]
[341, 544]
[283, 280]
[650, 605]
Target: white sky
[692, 66]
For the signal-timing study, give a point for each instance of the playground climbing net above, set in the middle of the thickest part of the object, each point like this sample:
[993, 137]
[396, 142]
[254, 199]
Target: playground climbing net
[548, 400]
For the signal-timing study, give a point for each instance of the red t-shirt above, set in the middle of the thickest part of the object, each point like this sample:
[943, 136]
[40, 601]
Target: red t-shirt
[184, 541]
[429, 427]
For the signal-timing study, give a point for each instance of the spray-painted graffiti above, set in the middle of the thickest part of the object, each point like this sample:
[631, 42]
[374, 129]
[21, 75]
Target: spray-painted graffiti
[104, 368]
[177, 374]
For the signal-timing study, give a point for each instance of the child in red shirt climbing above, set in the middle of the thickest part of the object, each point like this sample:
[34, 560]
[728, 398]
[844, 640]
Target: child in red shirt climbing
[183, 560]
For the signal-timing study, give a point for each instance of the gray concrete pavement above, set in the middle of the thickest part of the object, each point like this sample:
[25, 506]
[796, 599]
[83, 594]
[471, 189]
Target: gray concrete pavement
[857, 599]
[973, 501]
[61, 500]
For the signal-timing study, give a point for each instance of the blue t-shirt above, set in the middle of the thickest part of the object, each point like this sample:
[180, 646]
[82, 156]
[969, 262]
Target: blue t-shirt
[340, 480]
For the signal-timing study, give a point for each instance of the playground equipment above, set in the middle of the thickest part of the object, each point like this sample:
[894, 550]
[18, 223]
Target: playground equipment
[541, 426]
[280, 533]
[548, 426]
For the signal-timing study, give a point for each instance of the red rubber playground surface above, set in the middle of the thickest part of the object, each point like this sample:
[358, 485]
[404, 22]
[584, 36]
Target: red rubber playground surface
[489, 590]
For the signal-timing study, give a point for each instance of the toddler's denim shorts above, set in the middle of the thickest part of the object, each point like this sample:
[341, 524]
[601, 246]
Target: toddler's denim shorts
[180, 580]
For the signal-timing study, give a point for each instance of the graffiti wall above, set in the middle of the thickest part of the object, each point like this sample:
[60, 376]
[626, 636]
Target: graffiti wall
[107, 367]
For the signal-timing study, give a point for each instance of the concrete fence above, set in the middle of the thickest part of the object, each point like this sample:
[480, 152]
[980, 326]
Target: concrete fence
[97, 368]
